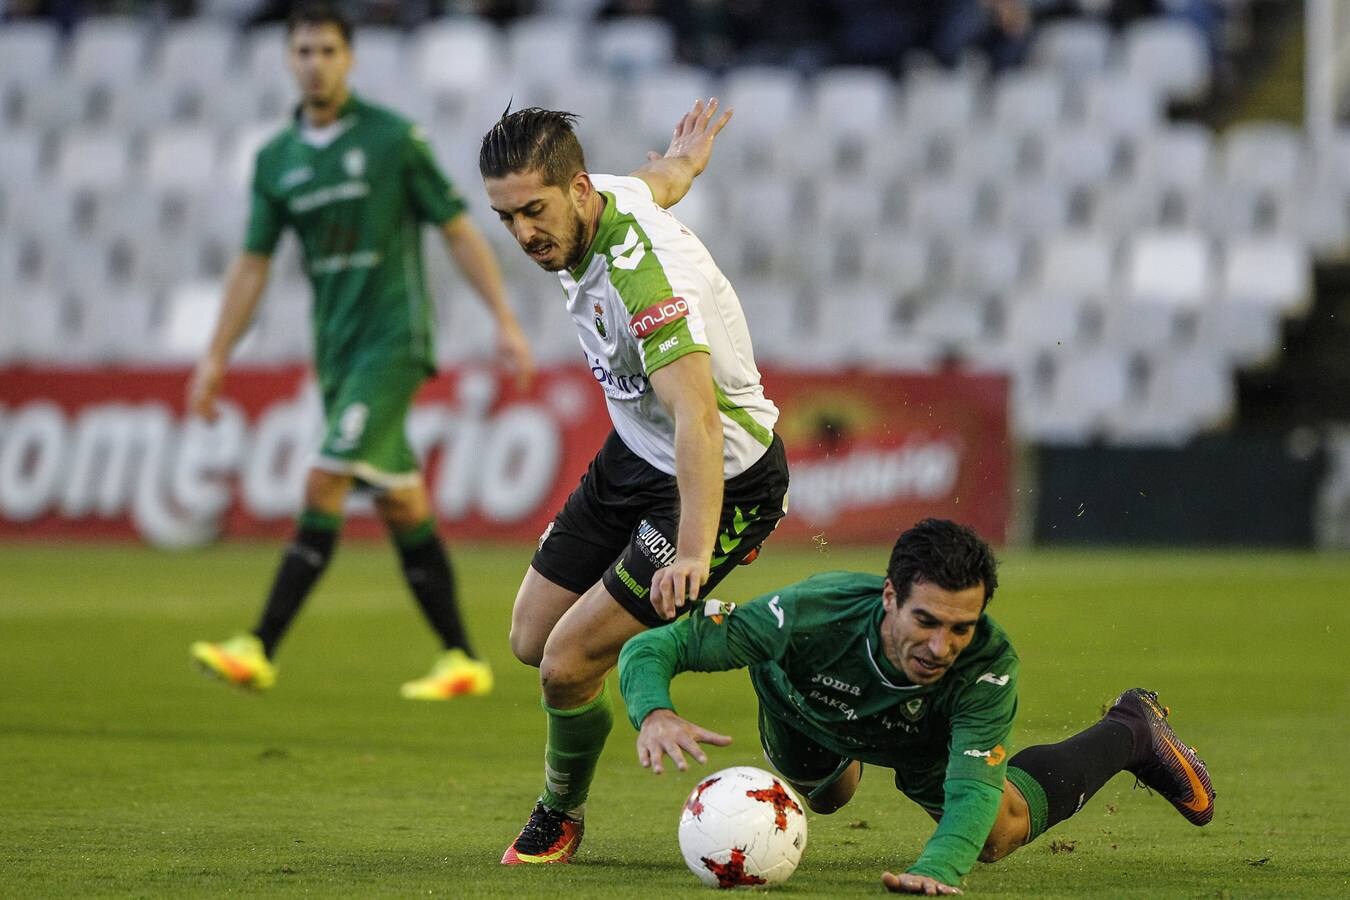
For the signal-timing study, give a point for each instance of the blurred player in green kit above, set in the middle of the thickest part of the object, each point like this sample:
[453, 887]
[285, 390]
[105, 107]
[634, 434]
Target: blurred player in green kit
[356, 182]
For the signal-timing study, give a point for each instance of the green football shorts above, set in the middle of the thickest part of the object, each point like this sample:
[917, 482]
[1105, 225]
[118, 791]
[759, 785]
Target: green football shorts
[365, 435]
[814, 768]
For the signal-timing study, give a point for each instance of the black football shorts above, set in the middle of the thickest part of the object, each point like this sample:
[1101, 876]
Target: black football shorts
[621, 523]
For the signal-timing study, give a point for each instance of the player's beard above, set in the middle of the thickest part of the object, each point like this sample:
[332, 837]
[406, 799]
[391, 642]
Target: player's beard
[572, 252]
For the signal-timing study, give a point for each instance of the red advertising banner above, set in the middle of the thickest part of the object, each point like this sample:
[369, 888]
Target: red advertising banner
[110, 453]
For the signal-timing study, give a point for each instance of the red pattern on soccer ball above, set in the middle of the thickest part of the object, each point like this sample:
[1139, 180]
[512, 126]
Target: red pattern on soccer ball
[732, 872]
[695, 802]
[781, 801]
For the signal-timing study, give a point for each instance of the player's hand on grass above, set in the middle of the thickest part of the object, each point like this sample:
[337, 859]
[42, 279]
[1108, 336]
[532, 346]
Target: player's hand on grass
[665, 734]
[676, 583]
[694, 134]
[514, 351]
[907, 883]
[204, 388]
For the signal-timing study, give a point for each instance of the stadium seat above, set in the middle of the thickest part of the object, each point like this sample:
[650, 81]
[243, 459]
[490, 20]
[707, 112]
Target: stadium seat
[108, 50]
[1079, 156]
[21, 159]
[898, 260]
[559, 39]
[264, 51]
[456, 56]
[1246, 334]
[633, 44]
[1028, 101]
[1182, 396]
[939, 103]
[982, 155]
[378, 64]
[948, 206]
[183, 158]
[1085, 390]
[988, 263]
[55, 104]
[1169, 267]
[1268, 271]
[1119, 105]
[1179, 153]
[1035, 320]
[1078, 264]
[199, 51]
[92, 160]
[1263, 155]
[659, 99]
[953, 323]
[856, 204]
[853, 102]
[1168, 55]
[37, 329]
[1072, 47]
[111, 323]
[857, 324]
[29, 49]
[774, 311]
[1036, 206]
[768, 107]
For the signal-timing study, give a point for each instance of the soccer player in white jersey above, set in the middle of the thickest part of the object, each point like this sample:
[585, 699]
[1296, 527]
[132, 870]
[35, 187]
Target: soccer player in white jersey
[691, 480]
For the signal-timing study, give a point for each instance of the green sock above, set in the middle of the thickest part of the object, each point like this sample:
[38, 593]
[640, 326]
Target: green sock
[1038, 806]
[575, 739]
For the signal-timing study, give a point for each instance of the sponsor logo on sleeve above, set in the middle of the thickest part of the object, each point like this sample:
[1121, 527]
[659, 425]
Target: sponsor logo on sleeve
[658, 315]
[776, 610]
[995, 680]
[991, 757]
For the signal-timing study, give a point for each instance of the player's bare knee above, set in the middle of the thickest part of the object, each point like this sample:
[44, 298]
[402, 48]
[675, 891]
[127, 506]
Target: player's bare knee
[526, 646]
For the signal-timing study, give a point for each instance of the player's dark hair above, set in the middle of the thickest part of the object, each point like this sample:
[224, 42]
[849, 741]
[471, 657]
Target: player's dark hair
[949, 555]
[320, 14]
[533, 140]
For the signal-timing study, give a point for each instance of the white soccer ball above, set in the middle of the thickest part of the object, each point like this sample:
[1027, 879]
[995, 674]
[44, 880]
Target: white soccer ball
[742, 827]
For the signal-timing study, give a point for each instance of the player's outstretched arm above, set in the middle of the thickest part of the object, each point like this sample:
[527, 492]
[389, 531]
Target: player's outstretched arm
[665, 734]
[474, 256]
[670, 176]
[906, 883]
[685, 388]
[244, 285]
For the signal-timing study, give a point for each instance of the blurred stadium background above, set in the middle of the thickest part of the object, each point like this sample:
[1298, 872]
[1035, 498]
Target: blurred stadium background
[1070, 269]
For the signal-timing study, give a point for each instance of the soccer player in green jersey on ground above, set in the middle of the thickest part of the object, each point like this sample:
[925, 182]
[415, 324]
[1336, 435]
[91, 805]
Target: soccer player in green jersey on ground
[909, 673]
[355, 182]
[691, 480]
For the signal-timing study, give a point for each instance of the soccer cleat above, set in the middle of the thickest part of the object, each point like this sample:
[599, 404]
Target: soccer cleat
[1170, 767]
[240, 661]
[549, 837]
[454, 674]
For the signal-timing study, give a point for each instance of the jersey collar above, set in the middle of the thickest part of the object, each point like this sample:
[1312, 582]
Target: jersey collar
[891, 677]
[347, 108]
[607, 217]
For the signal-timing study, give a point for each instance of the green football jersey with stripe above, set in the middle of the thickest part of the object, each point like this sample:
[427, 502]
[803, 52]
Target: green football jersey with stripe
[356, 198]
[646, 293]
[814, 653]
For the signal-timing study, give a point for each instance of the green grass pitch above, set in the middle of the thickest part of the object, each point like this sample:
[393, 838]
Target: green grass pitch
[125, 773]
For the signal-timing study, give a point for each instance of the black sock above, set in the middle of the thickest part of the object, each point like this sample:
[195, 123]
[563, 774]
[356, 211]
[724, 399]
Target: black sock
[305, 559]
[426, 566]
[1073, 770]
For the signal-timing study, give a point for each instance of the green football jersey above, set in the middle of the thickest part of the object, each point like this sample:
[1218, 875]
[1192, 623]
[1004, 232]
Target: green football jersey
[814, 653]
[357, 203]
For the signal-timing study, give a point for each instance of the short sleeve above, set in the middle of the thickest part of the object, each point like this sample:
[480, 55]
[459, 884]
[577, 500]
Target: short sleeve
[433, 196]
[266, 217]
